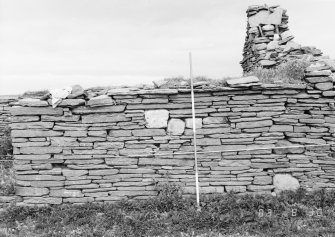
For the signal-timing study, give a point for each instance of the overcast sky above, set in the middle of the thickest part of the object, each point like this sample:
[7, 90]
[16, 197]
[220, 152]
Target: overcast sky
[47, 44]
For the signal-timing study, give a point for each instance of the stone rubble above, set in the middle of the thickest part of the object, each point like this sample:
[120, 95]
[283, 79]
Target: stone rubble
[269, 41]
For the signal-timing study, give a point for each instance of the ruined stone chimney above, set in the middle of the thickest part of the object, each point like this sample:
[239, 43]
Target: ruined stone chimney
[269, 41]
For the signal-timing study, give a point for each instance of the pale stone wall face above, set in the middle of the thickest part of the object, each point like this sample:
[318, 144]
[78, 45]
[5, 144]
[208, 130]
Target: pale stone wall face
[81, 153]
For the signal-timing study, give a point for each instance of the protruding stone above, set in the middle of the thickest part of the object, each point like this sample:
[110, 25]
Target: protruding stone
[77, 91]
[214, 120]
[176, 127]
[266, 63]
[71, 102]
[156, 118]
[66, 193]
[262, 180]
[324, 86]
[242, 80]
[148, 132]
[101, 100]
[285, 182]
[70, 172]
[30, 191]
[33, 102]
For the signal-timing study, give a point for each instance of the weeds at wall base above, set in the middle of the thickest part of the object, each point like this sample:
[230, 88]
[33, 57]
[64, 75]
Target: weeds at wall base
[169, 214]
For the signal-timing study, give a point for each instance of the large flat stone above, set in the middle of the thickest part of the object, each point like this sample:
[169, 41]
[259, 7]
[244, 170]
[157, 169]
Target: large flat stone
[156, 118]
[30, 102]
[43, 200]
[102, 109]
[103, 172]
[101, 100]
[324, 86]
[39, 177]
[189, 122]
[208, 141]
[70, 172]
[234, 163]
[214, 120]
[32, 125]
[104, 118]
[30, 144]
[30, 191]
[71, 102]
[254, 124]
[40, 150]
[165, 162]
[148, 132]
[64, 141]
[40, 184]
[120, 133]
[314, 80]
[32, 157]
[108, 145]
[66, 193]
[78, 200]
[18, 111]
[121, 161]
[243, 80]
[262, 180]
[24, 119]
[72, 118]
[35, 133]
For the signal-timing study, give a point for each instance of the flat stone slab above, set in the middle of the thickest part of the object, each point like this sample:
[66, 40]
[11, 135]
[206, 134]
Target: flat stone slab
[30, 102]
[243, 80]
[30, 191]
[266, 17]
[156, 118]
[19, 111]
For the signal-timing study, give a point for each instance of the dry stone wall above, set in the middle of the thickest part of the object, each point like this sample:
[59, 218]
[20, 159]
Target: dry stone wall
[120, 143]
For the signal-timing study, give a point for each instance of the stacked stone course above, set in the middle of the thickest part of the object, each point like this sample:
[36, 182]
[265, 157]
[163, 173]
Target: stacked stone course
[120, 143]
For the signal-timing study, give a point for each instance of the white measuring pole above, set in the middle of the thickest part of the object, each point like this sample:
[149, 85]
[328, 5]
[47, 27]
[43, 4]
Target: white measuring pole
[194, 137]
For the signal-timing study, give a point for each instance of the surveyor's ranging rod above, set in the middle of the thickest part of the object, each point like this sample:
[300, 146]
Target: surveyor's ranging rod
[194, 136]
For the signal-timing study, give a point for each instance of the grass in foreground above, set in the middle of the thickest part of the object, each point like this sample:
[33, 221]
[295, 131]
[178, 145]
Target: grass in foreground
[291, 214]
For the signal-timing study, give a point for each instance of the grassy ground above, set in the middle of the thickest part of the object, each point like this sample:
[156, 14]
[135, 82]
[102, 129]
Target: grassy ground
[291, 214]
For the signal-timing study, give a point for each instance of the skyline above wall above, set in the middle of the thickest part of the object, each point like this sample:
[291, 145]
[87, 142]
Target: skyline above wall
[52, 44]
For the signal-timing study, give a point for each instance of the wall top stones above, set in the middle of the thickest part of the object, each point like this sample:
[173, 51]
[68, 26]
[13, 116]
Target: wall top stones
[91, 100]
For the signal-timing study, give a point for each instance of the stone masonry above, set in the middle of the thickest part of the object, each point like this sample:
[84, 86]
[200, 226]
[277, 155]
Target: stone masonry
[105, 145]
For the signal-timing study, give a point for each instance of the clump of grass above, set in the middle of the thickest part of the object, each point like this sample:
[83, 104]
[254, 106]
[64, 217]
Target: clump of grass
[290, 72]
[34, 94]
[181, 81]
[7, 181]
[6, 148]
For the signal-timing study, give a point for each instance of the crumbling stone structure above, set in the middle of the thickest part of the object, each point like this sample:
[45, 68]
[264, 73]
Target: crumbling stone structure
[269, 41]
